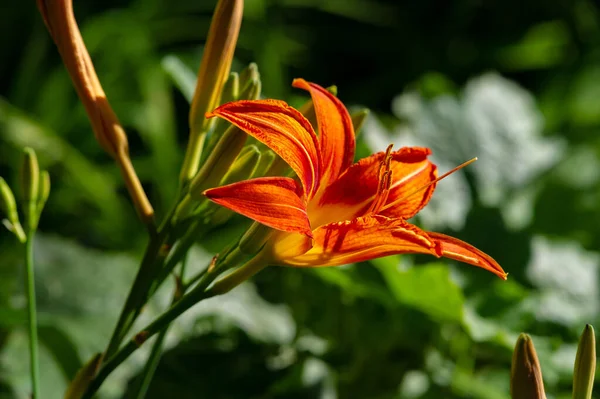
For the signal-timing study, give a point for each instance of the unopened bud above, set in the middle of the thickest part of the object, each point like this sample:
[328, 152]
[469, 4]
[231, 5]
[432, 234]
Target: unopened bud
[218, 162]
[264, 164]
[526, 375]
[358, 119]
[249, 74]
[255, 238]
[231, 89]
[30, 176]
[244, 166]
[60, 20]
[30, 187]
[585, 365]
[44, 191]
[8, 206]
[216, 61]
[251, 91]
[213, 72]
[231, 92]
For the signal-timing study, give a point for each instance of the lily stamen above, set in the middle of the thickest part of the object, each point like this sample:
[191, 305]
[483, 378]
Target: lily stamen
[385, 182]
[401, 199]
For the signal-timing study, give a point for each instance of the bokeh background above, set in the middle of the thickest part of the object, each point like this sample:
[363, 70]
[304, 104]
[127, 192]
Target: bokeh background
[515, 83]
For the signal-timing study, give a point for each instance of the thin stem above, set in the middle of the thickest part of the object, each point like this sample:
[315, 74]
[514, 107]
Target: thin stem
[128, 312]
[151, 364]
[140, 289]
[187, 301]
[197, 294]
[31, 310]
[156, 353]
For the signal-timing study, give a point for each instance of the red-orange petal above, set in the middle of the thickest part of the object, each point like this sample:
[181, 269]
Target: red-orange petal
[355, 189]
[281, 128]
[272, 201]
[461, 251]
[354, 241]
[336, 133]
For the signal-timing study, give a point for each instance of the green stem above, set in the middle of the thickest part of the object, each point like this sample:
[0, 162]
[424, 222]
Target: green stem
[195, 232]
[197, 294]
[155, 354]
[31, 310]
[187, 301]
[151, 364]
[142, 279]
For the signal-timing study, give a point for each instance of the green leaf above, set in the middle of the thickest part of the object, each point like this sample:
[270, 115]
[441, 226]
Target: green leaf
[183, 77]
[427, 288]
[62, 348]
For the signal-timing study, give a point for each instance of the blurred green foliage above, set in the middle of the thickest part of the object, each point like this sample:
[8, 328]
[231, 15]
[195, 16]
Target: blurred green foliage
[515, 83]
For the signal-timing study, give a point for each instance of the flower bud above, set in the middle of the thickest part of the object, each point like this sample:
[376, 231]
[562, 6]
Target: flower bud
[254, 238]
[264, 164]
[249, 74]
[526, 375]
[358, 119]
[216, 61]
[214, 70]
[44, 190]
[244, 166]
[30, 176]
[251, 91]
[60, 21]
[219, 161]
[231, 89]
[8, 206]
[231, 92]
[585, 365]
[30, 187]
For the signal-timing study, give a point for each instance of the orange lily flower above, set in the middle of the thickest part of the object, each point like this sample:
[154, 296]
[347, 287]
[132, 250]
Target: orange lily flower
[336, 212]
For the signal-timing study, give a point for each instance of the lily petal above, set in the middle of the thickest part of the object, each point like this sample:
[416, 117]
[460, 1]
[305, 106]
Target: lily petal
[272, 201]
[336, 132]
[461, 251]
[354, 241]
[281, 128]
[352, 194]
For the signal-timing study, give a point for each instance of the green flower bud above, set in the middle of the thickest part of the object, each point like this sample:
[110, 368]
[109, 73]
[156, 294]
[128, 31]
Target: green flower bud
[526, 375]
[264, 164]
[213, 72]
[219, 161]
[8, 205]
[30, 176]
[216, 60]
[44, 190]
[255, 238]
[231, 89]
[30, 187]
[231, 92]
[244, 166]
[248, 75]
[585, 365]
[358, 119]
[251, 91]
